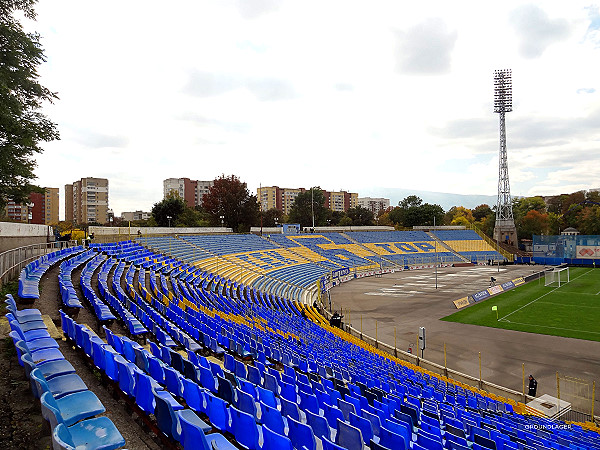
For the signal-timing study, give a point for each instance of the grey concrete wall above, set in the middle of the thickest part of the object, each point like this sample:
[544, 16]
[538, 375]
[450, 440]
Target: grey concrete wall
[13, 235]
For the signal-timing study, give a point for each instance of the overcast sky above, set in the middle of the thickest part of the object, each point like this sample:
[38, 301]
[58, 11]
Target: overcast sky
[353, 95]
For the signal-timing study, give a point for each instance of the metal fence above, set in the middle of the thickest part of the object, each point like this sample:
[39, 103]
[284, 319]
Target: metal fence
[12, 261]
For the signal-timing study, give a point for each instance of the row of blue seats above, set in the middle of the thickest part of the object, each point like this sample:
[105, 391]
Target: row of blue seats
[72, 410]
[30, 276]
[102, 311]
[457, 235]
[227, 244]
[147, 395]
[68, 295]
[374, 237]
[131, 322]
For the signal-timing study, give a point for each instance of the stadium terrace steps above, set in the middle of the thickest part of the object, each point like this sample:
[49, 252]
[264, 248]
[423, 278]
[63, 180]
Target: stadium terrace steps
[448, 247]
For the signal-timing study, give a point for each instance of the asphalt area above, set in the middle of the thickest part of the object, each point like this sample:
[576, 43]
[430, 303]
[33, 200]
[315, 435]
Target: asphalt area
[408, 300]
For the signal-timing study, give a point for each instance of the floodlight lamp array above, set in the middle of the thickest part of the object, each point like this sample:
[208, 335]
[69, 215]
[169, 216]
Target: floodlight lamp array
[502, 91]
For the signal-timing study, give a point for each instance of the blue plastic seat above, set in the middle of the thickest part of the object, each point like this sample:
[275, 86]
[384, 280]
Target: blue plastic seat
[244, 429]
[39, 356]
[245, 402]
[194, 396]
[401, 428]
[207, 380]
[390, 439]
[49, 369]
[229, 362]
[167, 418]
[58, 386]
[275, 441]
[266, 396]
[218, 413]
[348, 436]
[301, 435]
[97, 433]
[93, 433]
[328, 445]
[346, 408]
[126, 376]
[332, 414]
[308, 402]
[319, 425]
[254, 375]
[248, 388]
[73, 407]
[364, 426]
[289, 409]
[225, 390]
[374, 419]
[193, 436]
[173, 381]
[271, 417]
[271, 383]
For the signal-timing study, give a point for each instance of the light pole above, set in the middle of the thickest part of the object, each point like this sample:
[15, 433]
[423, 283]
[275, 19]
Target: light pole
[222, 221]
[29, 213]
[169, 219]
[436, 254]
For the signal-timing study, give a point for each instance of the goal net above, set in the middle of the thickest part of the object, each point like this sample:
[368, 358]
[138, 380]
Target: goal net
[557, 277]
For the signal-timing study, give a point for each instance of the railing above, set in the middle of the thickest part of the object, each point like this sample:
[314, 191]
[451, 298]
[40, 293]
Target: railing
[12, 261]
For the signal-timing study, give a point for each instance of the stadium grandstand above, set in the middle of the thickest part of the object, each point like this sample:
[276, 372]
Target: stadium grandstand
[216, 341]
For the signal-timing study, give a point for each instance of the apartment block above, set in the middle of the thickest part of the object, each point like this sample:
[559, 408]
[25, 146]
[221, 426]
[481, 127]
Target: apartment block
[41, 209]
[283, 199]
[374, 204]
[86, 201]
[130, 216]
[191, 191]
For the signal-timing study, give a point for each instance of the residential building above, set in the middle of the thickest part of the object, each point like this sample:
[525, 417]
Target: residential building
[131, 216]
[86, 201]
[41, 209]
[283, 198]
[190, 191]
[374, 205]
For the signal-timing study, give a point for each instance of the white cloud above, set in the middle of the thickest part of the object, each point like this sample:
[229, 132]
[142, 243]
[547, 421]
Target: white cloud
[536, 30]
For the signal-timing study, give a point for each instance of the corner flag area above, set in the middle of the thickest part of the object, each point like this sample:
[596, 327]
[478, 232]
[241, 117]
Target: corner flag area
[571, 310]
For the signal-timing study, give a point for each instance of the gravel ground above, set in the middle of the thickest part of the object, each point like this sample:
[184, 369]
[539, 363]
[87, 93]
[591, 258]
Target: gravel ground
[21, 423]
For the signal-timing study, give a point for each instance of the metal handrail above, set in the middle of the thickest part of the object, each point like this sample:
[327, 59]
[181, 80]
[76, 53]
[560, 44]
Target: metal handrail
[12, 261]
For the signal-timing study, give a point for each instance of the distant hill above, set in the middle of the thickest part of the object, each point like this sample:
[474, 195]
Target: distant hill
[443, 199]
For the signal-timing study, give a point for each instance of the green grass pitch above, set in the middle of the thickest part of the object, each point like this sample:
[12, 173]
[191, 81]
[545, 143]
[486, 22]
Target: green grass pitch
[573, 310]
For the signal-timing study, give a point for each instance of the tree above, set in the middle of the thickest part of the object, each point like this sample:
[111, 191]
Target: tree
[229, 203]
[22, 126]
[168, 210]
[522, 205]
[335, 217]
[271, 217]
[305, 204]
[589, 221]
[412, 211]
[191, 217]
[481, 211]
[360, 216]
[534, 222]
[460, 216]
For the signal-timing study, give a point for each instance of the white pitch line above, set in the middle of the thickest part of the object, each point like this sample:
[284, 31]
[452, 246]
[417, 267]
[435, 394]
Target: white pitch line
[541, 296]
[550, 326]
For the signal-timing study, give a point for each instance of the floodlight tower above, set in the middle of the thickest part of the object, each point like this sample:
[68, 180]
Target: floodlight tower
[505, 230]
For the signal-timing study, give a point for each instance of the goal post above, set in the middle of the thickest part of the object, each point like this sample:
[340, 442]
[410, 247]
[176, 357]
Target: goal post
[557, 276]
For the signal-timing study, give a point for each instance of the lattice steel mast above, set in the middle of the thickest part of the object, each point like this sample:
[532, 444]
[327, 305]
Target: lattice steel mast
[505, 229]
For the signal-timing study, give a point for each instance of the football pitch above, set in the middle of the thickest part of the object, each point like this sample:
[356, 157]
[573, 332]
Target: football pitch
[571, 310]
